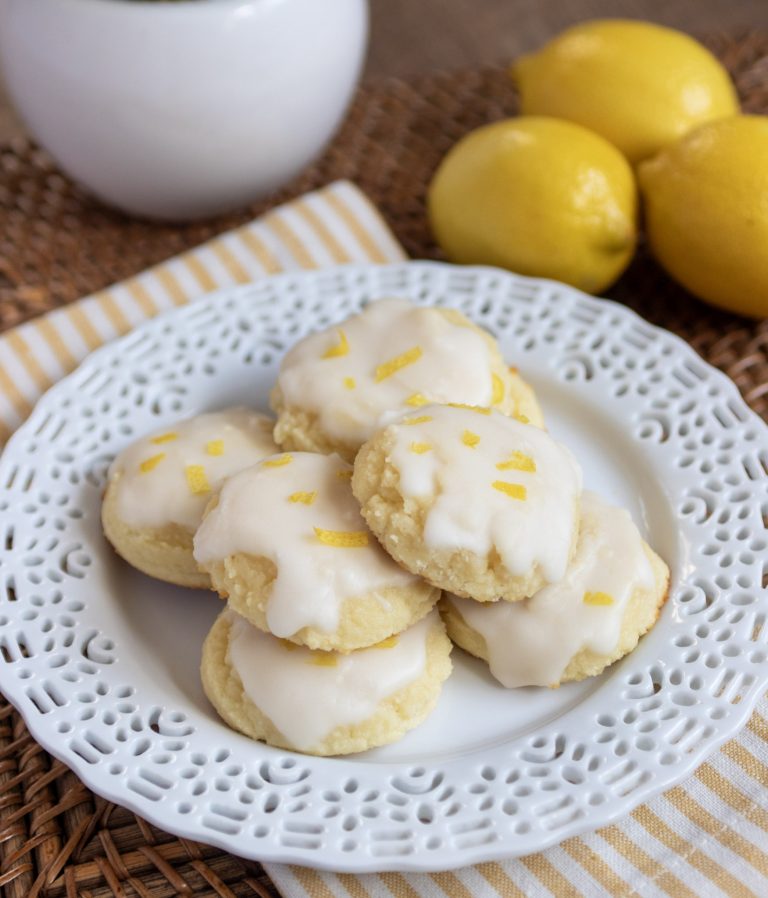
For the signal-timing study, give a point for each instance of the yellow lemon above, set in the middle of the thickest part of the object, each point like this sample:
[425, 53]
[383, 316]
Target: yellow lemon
[539, 196]
[639, 85]
[706, 205]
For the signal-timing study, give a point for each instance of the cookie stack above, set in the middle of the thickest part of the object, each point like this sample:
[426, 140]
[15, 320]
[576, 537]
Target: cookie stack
[543, 581]
[312, 653]
[409, 465]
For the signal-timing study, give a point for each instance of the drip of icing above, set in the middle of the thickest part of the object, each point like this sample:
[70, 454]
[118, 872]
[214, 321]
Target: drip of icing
[396, 355]
[531, 643]
[172, 485]
[305, 699]
[321, 550]
[529, 516]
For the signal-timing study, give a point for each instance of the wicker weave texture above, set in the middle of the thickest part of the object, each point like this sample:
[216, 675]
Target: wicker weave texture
[56, 837]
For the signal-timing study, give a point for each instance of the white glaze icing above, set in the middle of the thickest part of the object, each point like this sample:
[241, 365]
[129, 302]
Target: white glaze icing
[304, 697]
[257, 515]
[159, 493]
[461, 461]
[531, 643]
[454, 365]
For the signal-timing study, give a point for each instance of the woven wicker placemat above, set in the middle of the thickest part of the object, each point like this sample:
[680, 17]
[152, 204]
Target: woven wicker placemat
[56, 837]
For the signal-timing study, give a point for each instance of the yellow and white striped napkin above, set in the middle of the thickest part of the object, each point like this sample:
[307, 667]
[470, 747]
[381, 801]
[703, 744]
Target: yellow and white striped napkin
[705, 838]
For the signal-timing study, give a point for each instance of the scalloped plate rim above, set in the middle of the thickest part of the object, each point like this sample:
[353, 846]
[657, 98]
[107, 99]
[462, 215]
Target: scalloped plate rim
[13, 689]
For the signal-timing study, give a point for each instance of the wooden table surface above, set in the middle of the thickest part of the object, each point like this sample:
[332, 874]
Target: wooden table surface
[415, 36]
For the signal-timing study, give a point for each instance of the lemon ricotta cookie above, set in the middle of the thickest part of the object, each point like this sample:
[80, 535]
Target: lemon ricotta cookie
[337, 386]
[284, 541]
[474, 501]
[324, 703]
[610, 596]
[158, 488]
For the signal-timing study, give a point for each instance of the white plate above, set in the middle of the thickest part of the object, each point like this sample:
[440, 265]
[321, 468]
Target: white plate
[103, 662]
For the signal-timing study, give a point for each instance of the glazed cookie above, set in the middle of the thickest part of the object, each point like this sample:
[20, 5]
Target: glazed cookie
[338, 386]
[474, 501]
[159, 486]
[611, 595]
[323, 703]
[285, 543]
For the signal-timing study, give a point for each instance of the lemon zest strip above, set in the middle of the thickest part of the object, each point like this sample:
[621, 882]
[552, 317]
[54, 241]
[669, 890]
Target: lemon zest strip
[196, 480]
[470, 439]
[165, 438]
[422, 419]
[417, 400]
[342, 539]
[340, 349]
[304, 498]
[523, 419]
[387, 369]
[598, 598]
[152, 462]
[477, 409]
[518, 461]
[420, 448]
[513, 490]
[349, 383]
[280, 462]
[215, 447]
